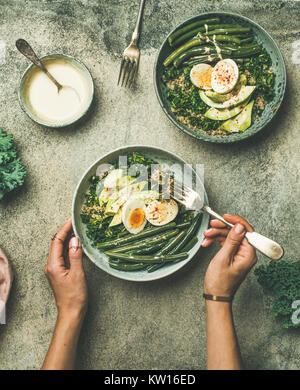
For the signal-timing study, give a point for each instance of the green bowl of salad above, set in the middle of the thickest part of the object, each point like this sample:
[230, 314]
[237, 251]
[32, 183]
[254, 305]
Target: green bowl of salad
[126, 227]
[220, 77]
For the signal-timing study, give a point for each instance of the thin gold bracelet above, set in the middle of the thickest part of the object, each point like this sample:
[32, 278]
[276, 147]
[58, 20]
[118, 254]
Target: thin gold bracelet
[217, 298]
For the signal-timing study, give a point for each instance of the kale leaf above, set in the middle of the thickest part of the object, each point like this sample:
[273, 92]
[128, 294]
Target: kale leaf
[259, 68]
[282, 278]
[12, 172]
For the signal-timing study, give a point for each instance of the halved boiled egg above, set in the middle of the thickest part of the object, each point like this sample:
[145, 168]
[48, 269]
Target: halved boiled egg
[134, 216]
[161, 212]
[200, 76]
[225, 75]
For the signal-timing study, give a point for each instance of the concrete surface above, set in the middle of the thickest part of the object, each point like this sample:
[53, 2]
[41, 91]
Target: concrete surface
[160, 324]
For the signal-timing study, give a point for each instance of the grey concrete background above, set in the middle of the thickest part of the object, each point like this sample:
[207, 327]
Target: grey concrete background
[159, 324]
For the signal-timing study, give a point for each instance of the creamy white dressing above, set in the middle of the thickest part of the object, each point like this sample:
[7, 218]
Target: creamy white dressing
[207, 39]
[217, 48]
[45, 100]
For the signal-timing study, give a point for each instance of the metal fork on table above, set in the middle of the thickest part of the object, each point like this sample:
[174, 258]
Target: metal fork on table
[131, 55]
[192, 200]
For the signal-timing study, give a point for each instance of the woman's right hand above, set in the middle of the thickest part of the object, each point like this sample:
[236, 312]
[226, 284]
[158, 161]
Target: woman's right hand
[234, 260]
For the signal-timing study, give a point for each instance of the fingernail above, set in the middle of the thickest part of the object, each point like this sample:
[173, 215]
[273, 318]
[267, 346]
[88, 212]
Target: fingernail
[208, 230]
[204, 242]
[75, 243]
[239, 228]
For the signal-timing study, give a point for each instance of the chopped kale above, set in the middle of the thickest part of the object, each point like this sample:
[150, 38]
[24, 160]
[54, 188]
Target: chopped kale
[281, 278]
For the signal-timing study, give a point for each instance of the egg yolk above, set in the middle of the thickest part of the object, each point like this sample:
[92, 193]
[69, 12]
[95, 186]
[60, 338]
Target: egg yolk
[136, 218]
[203, 79]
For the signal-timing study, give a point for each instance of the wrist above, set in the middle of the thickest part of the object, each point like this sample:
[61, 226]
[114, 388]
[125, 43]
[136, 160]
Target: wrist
[219, 291]
[216, 306]
[72, 315]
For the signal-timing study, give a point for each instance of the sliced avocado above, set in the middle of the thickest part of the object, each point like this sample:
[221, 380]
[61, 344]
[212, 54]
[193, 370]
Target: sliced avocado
[118, 198]
[147, 196]
[104, 196]
[112, 178]
[125, 180]
[132, 188]
[111, 192]
[117, 219]
[235, 100]
[217, 97]
[223, 115]
[241, 122]
[243, 79]
[113, 207]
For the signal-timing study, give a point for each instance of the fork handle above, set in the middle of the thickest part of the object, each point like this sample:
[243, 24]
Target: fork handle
[136, 32]
[263, 244]
[212, 213]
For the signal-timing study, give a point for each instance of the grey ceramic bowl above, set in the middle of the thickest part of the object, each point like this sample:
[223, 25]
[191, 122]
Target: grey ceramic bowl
[277, 64]
[98, 257]
[24, 101]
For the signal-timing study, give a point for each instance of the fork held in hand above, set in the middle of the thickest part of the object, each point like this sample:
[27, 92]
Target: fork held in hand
[191, 200]
[131, 55]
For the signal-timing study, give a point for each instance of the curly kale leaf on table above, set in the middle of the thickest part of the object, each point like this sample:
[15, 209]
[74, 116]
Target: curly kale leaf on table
[282, 278]
[12, 172]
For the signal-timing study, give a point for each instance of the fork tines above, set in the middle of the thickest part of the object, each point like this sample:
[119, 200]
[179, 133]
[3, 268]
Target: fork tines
[169, 186]
[127, 71]
[177, 190]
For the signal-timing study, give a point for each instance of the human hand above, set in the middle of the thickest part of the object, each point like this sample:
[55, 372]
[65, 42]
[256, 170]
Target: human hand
[68, 283]
[6, 279]
[234, 260]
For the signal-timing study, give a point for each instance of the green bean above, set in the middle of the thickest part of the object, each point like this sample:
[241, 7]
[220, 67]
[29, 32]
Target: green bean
[147, 250]
[249, 46]
[197, 41]
[196, 51]
[191, 230]
[229, 46]
[227, 38]
[183, 225]
[191, 26]
[193, 33]
[171, 244]
[227, 31]
[185, 241]
[194, 42]
[190, 244]
[146, 243]
[244, 36]
[246, 52]
[133, 237]
[246, 40]
[154, 267]
[233, 46]
[241, 60]
[147, 259]
[126, 267]
[201, 60]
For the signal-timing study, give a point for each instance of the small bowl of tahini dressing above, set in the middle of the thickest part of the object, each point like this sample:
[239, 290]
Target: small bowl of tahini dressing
[39, 96]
